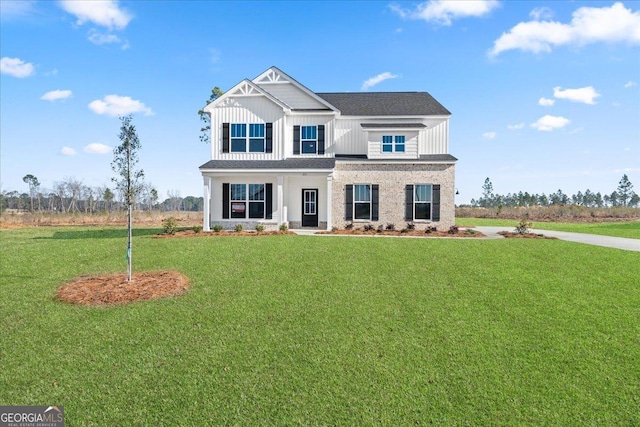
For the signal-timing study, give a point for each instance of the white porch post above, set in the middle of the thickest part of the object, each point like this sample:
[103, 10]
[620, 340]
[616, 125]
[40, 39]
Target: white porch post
[329, 199]
[280, 196]
[207, 204]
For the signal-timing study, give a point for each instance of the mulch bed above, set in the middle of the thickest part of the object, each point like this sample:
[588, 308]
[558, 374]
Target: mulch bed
[513, 235]
[462, 232]
[192, 233]
[114, 288]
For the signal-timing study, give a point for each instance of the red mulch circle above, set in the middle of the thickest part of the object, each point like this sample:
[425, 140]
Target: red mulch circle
[514, 235]
[114, 288]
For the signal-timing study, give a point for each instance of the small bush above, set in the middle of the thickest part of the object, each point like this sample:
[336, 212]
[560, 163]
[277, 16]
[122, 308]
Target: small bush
[238, 228]
[217, 228]
[284, 227]
[430, 229]
[453, 229]
[170, 225]
[259, 228]
[380, 228]
[523, 226]
[472, 232]
[368, 227]
[349, 226]
[411, 226]
[391, 227]
[197, 228]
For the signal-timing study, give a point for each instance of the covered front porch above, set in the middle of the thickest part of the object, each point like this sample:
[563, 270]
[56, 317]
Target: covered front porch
[297, 197]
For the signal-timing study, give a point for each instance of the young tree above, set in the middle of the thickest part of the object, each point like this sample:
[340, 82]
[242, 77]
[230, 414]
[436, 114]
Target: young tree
[129, 182]
[624, 191]
[33, 183]
[487, 194]
[205, 131]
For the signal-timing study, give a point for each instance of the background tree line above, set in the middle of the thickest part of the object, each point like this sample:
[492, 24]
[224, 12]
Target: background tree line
[623, 196]
[71, 195]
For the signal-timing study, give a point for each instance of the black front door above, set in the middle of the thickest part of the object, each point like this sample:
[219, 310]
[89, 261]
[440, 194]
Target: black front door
[310, 207]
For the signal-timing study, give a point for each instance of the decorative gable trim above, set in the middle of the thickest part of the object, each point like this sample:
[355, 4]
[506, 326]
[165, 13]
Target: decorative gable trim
[246, 88]
[276, 76]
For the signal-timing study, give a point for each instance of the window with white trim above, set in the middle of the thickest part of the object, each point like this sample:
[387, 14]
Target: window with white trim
[422, 201]
[362, 201]
[254, 142]
[247, 200]
[309, 139]
[393, 144]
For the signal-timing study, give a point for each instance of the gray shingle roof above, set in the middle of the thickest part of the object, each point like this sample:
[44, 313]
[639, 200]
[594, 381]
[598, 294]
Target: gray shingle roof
[385, 104]
[295, 163]
[425, 158]
[392, 125]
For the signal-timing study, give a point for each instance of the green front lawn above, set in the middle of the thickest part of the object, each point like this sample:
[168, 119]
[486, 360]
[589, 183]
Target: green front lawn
[630, 229]
[292, 330]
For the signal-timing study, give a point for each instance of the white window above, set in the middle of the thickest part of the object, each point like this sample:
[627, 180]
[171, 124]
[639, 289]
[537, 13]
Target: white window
[422, 201]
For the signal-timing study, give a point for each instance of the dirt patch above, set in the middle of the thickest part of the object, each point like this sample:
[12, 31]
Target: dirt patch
[513, 235]
[114, 288]
[192, 233]
[461, 232]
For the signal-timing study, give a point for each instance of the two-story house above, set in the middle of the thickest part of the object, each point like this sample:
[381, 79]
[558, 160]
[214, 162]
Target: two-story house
[281, 153]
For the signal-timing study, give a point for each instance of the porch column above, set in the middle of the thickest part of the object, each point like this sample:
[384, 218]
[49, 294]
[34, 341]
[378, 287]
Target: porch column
[280, 197]
[206, 204]
[329, 199]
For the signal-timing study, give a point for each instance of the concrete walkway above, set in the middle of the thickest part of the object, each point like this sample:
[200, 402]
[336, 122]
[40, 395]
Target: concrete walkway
[589, 239]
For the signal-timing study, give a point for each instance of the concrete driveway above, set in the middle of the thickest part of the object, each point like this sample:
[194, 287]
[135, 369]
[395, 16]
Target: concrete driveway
[589, 239]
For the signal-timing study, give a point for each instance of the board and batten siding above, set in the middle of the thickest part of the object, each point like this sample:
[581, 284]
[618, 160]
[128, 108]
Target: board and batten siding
[434, 139]
[291, 95]
[247, 109]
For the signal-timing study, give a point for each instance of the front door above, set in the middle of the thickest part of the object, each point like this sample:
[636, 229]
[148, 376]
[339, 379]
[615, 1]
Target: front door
[310, 207]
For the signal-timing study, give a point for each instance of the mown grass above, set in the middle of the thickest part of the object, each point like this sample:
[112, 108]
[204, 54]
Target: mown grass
[630, 229]
[292, 330]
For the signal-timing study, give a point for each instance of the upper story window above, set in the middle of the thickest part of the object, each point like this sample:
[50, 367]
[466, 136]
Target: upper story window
[308, 139]
[392, 144]
[236, 139]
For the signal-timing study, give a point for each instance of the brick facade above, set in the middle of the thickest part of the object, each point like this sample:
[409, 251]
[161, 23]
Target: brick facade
[392, 179]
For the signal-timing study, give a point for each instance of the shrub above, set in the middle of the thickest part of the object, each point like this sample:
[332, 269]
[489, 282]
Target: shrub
[197, 228]
[238, 228]
[368, 227]
[259, 228]
[170, 225]
[349, 226]
[217, 228]
[411, 226]
[284, 227]
[453, 229]
[391, 227]
[523, 226]
[430, 229]
[380, 228]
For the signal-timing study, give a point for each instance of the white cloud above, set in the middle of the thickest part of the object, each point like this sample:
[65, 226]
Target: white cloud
[541, 13]
[15, 8]
[630, 84]
[97, 148]
[489, 135]
[99, 38]
[576, 130]
[115, 105]
[585, 95]
[442, 12]
[588, 25]
[67, 151]
[16, 67]
[517, 126]
[369, 83]
[104, 13]
[546, 102]
[56, 94]
[549, 123]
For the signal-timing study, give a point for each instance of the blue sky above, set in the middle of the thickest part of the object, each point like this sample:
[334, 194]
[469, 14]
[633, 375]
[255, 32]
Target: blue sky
[543, 95]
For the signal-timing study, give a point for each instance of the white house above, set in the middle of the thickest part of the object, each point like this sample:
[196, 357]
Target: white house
[281, 153]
